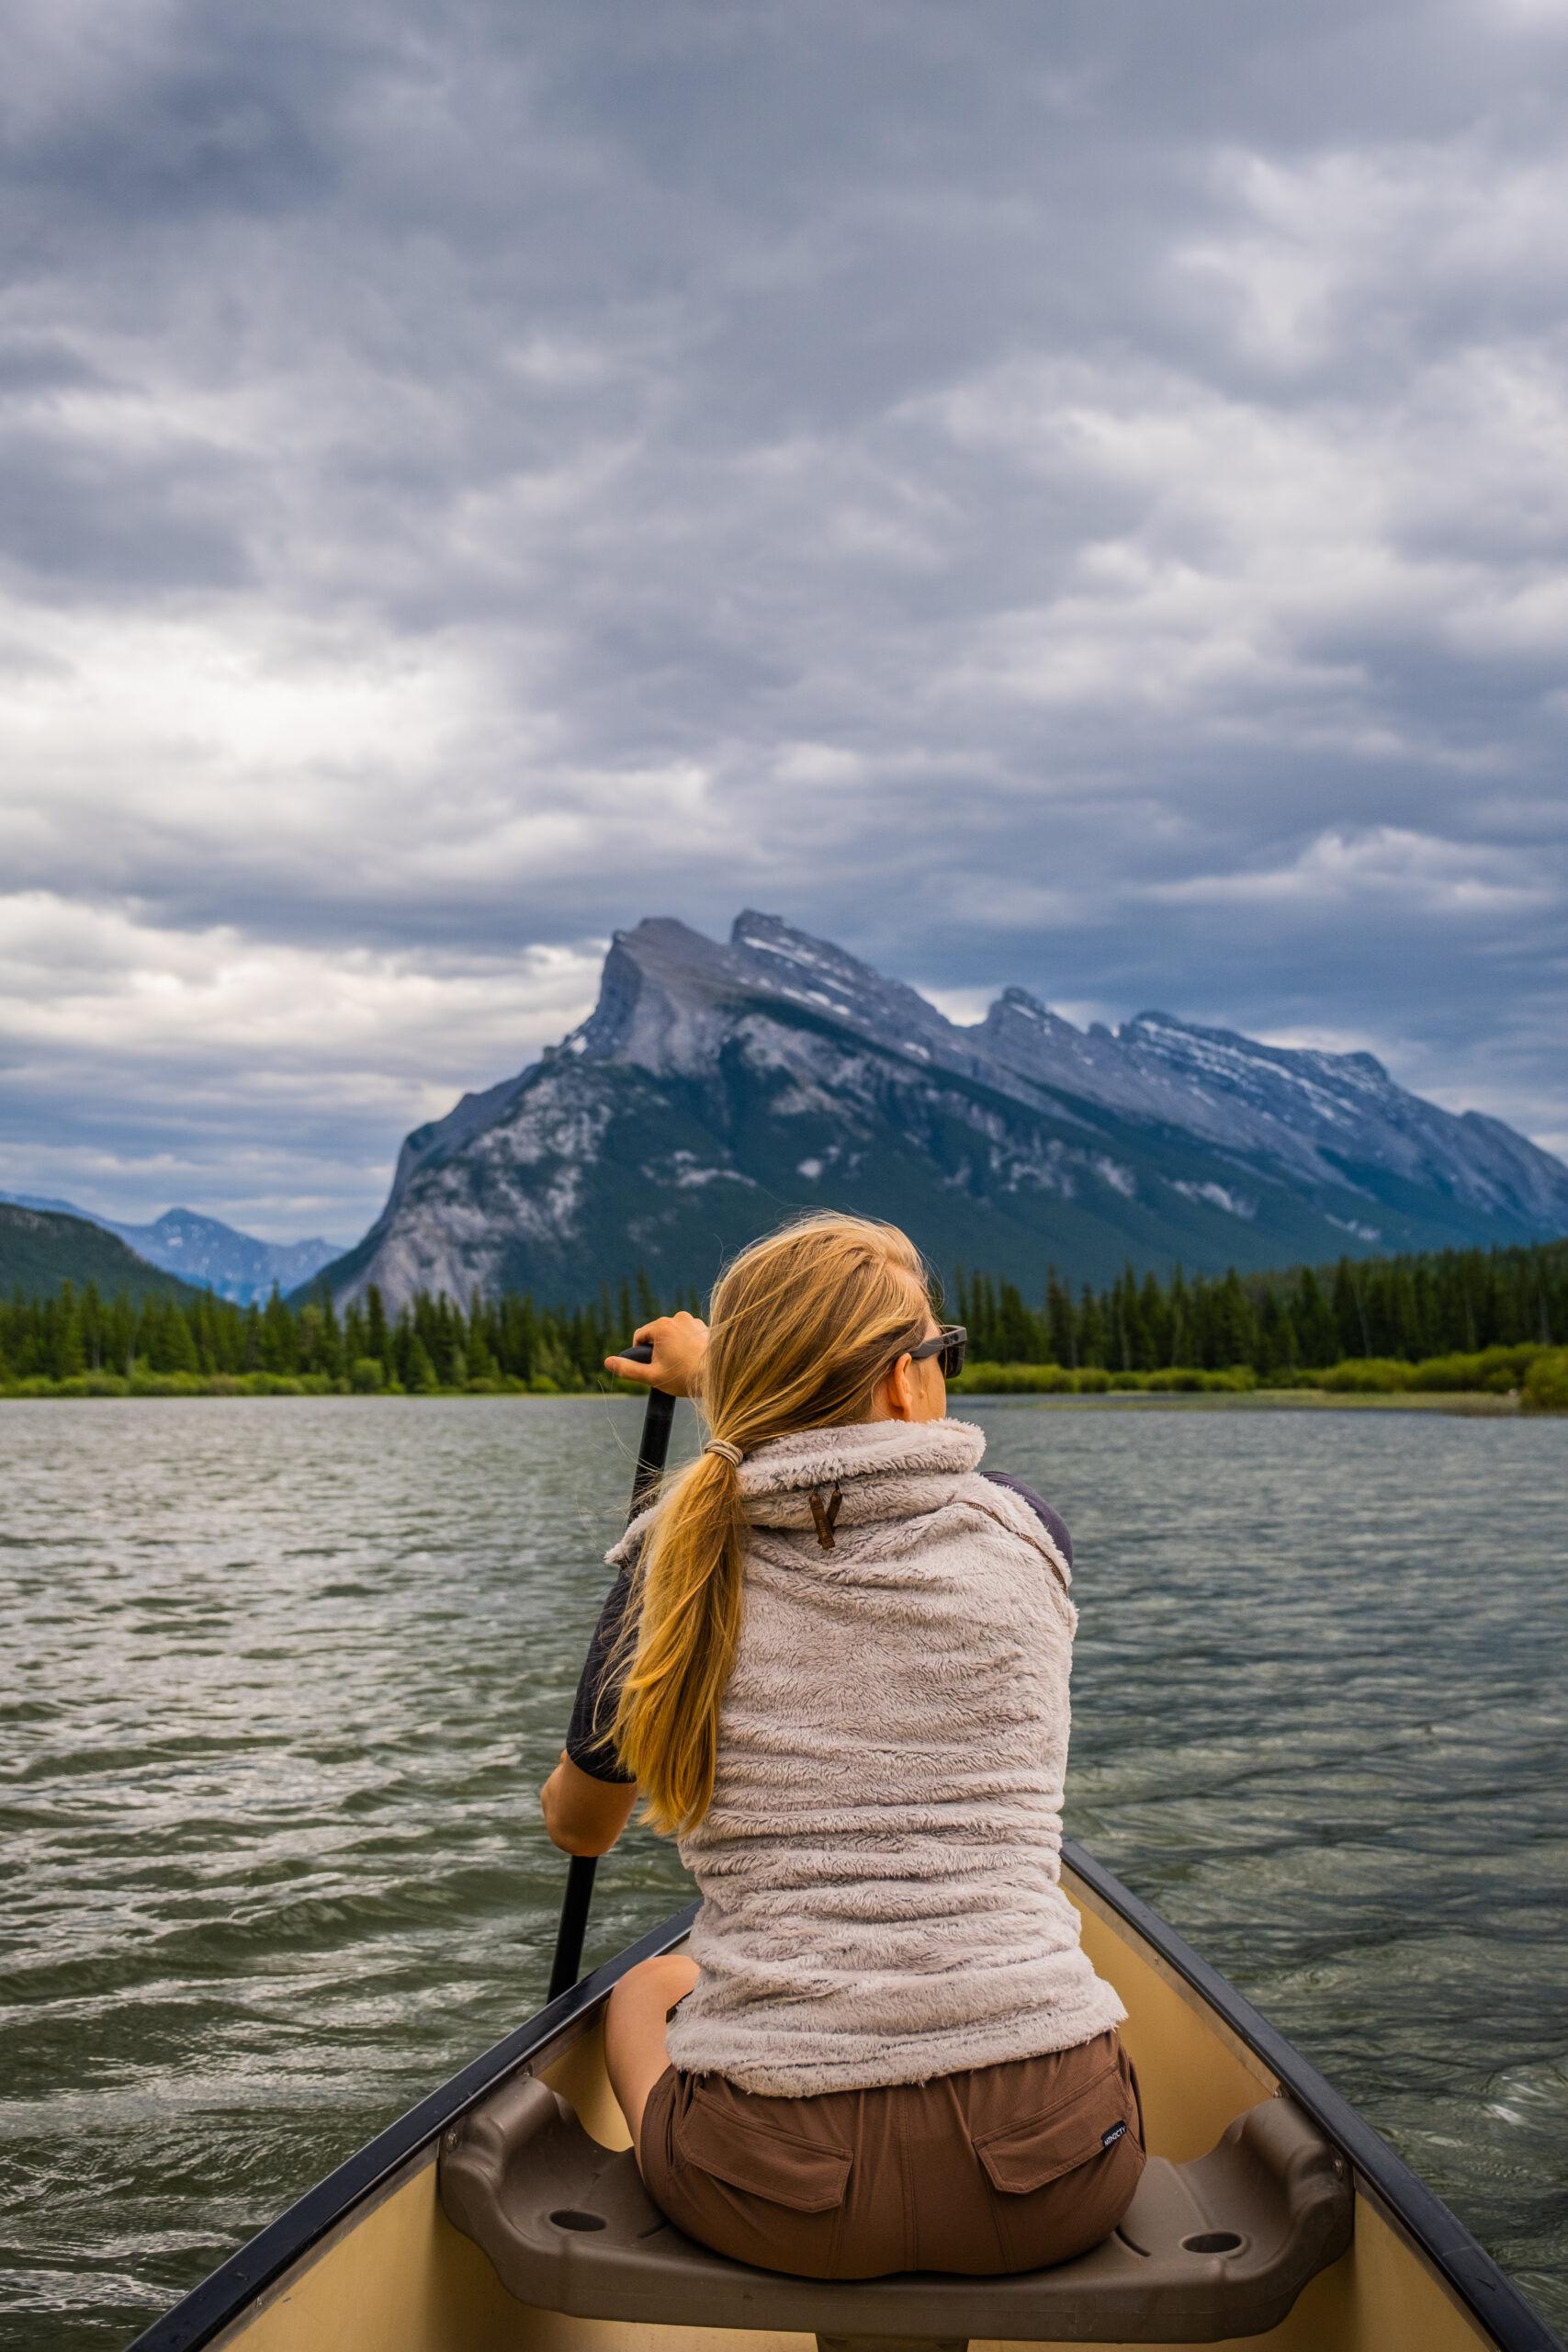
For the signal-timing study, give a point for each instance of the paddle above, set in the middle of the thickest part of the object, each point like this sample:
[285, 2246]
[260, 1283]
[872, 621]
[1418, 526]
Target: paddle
[656, 1426]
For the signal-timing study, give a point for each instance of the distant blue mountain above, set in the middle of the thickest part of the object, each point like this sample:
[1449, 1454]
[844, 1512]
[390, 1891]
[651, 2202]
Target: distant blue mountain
[715, 1088]
[203, 1251]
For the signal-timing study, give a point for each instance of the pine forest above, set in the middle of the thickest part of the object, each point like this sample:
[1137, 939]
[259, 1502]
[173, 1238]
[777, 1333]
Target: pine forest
[1458, 1307]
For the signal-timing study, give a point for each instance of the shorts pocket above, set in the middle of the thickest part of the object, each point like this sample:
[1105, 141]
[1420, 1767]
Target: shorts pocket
[1022, 2156]
[806, 2176]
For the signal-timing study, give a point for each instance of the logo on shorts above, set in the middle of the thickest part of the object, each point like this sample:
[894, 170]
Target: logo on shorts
[1108, 2139]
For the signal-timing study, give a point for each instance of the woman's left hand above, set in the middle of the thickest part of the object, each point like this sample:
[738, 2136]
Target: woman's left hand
[678, 1343]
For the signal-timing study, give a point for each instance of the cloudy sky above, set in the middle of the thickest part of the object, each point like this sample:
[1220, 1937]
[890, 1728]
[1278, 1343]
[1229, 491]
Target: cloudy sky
[1074, 495]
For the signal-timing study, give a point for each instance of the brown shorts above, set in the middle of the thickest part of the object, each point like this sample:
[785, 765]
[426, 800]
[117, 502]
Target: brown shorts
[1003, 2168]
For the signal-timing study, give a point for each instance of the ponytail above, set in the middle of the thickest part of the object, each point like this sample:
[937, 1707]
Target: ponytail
[688, 1627]
[804, 1325]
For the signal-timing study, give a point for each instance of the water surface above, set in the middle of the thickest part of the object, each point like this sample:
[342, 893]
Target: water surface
[282, 1678]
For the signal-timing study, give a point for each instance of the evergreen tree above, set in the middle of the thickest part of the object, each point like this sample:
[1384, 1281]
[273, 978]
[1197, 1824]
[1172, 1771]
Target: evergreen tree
[1313, 1322]
[1349, 1315]
[178, 1349]
[277, 1336]
[1092, 1329]
[1236, 1336]
[1154, 1316]
[1178, 1340]
[1061, 1323]
[481, 1361]
[1016, 1338]
[70, 1355]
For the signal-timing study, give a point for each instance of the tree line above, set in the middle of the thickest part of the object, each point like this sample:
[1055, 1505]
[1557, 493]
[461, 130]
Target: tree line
[505, 1342]
[1406, 1309]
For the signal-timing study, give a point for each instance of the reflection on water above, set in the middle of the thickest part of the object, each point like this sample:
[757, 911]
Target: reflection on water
[283, 1679]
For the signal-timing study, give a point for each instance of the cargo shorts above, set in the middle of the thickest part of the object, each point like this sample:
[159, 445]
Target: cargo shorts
[1001, 2168]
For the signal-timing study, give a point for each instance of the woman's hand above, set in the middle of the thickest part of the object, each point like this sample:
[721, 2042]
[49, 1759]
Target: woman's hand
[678, 1343]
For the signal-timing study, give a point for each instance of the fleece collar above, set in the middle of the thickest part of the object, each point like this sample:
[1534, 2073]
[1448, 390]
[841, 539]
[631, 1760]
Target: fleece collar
[883, 1470]
[809, 1458]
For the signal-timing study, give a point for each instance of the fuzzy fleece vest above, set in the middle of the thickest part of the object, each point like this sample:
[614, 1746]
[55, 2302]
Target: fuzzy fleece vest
[879, 1867]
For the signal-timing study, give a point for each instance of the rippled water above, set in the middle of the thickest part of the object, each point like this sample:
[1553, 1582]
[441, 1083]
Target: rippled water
[282, 1678]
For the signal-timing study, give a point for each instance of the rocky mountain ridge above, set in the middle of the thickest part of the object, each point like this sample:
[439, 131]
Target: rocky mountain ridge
[717, 1087]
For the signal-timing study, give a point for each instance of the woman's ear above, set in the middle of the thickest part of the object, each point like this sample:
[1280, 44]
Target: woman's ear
[897, 1386]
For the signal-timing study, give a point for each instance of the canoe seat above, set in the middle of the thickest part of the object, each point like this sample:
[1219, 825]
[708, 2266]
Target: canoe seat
[1219, 2248]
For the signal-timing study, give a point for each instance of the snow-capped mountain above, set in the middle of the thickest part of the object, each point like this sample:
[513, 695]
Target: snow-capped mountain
[716, 1087]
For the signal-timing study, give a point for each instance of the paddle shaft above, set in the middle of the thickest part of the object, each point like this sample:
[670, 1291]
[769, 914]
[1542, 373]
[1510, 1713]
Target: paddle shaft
[652, 1452]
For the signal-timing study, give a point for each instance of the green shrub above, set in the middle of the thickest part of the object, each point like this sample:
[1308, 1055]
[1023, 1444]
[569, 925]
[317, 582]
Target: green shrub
[1013, 1380]
[168, 1383]
[1055, 1380]
[1546, 1382]
[1495, 1370]
[367, 1375]
[1366, 1376]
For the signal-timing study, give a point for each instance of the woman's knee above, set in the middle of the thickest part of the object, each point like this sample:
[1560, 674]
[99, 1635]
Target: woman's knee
[634, 2029]
[668, 1979]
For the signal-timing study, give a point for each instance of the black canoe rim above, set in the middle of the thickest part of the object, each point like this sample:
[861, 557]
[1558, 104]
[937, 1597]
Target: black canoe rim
[221, 2299]
[1454, 2253]
[1447, 2244]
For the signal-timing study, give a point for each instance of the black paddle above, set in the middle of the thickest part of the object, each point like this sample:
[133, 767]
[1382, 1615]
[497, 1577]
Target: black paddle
[652, 1453]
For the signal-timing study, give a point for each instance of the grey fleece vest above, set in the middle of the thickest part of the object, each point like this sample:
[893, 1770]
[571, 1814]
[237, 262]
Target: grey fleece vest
[879, 1866]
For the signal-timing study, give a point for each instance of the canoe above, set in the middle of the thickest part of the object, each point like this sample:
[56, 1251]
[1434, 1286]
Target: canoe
[505, 2214]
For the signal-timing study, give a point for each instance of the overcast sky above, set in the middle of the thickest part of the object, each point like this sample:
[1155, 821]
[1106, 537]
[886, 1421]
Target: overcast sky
[1065, 494]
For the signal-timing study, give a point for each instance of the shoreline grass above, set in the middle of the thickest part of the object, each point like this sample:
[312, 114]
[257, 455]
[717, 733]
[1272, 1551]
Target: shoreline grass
[1499, 1381]
[100, 1385]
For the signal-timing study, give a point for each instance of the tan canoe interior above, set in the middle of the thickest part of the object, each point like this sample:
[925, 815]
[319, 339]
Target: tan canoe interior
[395, 2277]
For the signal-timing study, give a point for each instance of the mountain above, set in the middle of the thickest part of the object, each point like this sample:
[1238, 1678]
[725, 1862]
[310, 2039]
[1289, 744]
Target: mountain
[713, 1089]
[41, 1249]
[204, 1252]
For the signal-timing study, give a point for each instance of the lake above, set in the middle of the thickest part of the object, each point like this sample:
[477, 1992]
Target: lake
[282, 1678]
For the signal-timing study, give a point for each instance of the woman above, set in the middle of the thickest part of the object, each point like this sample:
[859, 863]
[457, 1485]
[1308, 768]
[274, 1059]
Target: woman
[835, 1666]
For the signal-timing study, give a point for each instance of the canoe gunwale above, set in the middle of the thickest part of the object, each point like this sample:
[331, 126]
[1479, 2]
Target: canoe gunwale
[1414, 2210]
[228, 2292]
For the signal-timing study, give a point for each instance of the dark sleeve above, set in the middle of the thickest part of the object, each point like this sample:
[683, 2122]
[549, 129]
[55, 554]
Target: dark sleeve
[1055, 1526]
[593, 1709]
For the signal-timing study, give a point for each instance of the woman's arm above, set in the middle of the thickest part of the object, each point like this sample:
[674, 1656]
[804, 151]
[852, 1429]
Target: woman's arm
[588, 1799]
[585, 1812]
[584, 1815]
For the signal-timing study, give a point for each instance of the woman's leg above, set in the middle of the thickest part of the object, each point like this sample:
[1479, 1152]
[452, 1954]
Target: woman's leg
[634, 2030]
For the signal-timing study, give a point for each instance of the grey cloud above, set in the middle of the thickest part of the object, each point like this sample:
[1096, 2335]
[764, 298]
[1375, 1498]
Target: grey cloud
[1014, 462]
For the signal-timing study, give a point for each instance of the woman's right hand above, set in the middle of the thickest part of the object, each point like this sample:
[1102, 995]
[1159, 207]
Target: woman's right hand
[678, 1343]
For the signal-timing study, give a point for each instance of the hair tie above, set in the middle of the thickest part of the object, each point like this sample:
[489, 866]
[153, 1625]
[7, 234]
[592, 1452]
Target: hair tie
[721, 1445]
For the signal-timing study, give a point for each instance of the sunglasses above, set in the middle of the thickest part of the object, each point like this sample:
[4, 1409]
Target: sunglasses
[948, 1344]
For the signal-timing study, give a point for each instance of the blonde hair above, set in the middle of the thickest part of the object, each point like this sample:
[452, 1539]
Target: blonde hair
[803, 1325]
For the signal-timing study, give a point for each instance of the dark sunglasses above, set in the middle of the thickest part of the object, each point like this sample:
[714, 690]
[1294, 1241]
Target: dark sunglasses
[949, 1344]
